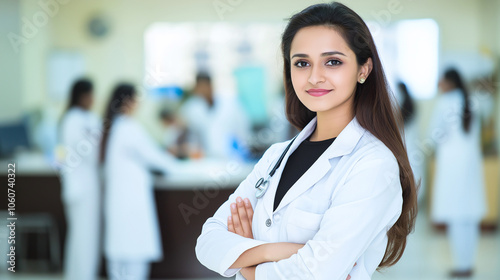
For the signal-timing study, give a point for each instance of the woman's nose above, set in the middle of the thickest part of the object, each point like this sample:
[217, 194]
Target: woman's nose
[316, 76]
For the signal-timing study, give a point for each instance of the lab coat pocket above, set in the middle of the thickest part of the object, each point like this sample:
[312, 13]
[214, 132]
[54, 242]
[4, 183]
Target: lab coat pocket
[302, 225]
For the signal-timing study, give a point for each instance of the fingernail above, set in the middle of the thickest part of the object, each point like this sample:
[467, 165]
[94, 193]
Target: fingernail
[247, 201]
[238, 199]
[233, 205]
[230, 218]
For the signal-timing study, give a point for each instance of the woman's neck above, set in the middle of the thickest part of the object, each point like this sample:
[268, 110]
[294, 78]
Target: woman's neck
[329, 125]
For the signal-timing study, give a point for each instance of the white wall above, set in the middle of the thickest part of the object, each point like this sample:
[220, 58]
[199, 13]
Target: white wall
[119, 56]
[10, 69]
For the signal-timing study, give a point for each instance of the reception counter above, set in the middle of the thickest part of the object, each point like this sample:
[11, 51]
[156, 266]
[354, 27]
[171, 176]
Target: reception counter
[184, 199]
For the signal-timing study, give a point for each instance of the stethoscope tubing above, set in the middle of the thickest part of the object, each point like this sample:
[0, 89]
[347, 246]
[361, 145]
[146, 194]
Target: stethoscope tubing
[261, 184]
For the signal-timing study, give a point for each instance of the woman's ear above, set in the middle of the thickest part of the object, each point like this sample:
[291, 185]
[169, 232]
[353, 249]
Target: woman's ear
[365, 70]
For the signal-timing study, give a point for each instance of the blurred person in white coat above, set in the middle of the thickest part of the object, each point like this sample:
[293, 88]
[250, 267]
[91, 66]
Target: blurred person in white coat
[342, 192]
[409, 112]
[458, 193]
[215, 125]
[132, 235]
[80, 132]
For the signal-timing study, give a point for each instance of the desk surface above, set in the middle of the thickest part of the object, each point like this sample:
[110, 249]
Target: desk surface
[203, 173]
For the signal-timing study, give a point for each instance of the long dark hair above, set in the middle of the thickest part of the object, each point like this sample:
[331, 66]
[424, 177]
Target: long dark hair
[407, 104]
[79, 89]
[454, 77]
[122, 94]
[372, 104]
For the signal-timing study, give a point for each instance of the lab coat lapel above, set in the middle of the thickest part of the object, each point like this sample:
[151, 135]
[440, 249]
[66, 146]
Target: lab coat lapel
[344, 144]
[274, 180]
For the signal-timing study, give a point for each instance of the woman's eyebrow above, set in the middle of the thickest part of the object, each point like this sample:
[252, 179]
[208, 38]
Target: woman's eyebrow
[323, 54]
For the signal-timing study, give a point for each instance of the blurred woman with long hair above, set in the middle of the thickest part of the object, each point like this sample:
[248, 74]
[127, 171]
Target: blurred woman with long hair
[80, 133]
[411, 136]
[458, 193]
[132, 235]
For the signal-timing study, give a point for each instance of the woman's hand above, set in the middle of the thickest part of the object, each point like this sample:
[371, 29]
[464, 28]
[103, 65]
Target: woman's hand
[349, 276]
[240, 221]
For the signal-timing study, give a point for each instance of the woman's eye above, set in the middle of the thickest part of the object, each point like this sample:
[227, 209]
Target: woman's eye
[301, 64]
[333, 62]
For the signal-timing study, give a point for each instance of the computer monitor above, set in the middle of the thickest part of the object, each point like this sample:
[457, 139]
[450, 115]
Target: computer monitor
[13, 136]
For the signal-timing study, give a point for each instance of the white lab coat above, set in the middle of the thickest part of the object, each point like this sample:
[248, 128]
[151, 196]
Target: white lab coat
[415, 155]
[341, 208]
[131, 224]
[216, 128]
[80, 137]
[458, 191]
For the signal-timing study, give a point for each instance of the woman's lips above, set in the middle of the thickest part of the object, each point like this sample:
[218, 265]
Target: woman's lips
[318, 92]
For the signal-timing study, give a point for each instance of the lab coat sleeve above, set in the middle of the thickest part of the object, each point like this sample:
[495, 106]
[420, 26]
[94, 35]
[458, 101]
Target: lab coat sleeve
[216, 247]
[368, 203]
[150, 153]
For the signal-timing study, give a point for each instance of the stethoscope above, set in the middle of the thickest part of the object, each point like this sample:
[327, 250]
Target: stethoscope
[262, 184]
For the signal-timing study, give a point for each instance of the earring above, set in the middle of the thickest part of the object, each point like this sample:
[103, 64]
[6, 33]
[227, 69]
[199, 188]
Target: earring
[362, 80]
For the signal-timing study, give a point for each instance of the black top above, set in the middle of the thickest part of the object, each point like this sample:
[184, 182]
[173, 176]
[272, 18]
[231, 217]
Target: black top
[298, 163]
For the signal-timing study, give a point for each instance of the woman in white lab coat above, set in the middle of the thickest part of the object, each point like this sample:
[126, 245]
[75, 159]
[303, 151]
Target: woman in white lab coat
[132, 234]
[79, 134]
[458, 198]
[356, 203]
[415, 155]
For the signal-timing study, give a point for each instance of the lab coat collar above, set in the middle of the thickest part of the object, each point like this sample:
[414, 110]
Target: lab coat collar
[343, 145]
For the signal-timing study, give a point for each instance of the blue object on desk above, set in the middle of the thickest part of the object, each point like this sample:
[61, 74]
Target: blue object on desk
[13, 136]
[167, 92]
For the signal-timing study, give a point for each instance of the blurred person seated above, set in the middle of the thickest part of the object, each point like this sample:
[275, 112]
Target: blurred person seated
[175, 134]
[218, 127]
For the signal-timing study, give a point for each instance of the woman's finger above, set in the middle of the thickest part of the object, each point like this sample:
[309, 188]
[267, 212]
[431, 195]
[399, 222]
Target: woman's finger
[236, 220]
[349, 276]
[245, 224]
[230, 225]
[248, 207]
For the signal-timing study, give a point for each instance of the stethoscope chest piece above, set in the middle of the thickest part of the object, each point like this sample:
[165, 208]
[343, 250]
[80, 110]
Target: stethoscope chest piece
[261, 187]
[262, 183]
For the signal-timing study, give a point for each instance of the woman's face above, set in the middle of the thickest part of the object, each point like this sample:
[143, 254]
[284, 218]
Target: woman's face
[87, 100]
[130, 106]
[324, 70]
[444, 85]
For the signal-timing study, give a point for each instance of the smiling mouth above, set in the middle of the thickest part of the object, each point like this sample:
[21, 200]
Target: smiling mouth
[318, 92]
